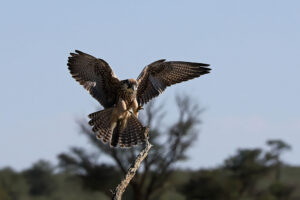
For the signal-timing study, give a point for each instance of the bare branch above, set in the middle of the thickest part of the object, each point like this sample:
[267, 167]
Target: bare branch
[118, 192]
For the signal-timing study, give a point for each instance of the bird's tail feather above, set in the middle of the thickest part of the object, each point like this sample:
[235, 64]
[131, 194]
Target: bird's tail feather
[101, 122]
[133, 134]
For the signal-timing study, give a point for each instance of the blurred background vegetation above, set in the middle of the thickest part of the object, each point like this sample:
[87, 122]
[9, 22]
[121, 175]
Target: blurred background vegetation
[257, 173]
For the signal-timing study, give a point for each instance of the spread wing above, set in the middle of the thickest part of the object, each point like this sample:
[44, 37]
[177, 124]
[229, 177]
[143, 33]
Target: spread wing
[155, 77]
[96, 76]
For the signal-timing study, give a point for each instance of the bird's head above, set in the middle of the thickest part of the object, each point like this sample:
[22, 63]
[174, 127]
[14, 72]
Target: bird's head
[129, 85]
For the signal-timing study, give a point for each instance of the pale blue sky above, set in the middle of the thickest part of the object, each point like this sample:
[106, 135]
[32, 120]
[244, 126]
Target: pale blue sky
[251, 95]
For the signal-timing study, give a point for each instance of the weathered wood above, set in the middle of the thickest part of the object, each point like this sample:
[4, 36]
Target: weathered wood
[118, 192]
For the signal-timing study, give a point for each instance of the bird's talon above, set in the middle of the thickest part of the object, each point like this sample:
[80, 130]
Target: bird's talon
[140, 108]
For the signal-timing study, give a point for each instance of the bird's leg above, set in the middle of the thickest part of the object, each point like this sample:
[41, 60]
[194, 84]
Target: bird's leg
[122, 108]
[135, 108]
[118, 113]
[140, 107]
[122, 114]
[124, 121]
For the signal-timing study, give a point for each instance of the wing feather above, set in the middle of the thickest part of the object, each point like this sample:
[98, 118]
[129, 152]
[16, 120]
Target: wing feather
[157, 76]
[96, 76]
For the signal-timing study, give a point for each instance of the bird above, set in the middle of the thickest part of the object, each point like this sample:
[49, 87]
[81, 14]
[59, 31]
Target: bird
[122, 100]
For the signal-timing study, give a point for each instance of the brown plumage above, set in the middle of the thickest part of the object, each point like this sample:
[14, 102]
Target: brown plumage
[122, 100]
[96, 76]
[132, 134]
[155, 77]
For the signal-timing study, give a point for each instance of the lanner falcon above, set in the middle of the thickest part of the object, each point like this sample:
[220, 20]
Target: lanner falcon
[122, 100]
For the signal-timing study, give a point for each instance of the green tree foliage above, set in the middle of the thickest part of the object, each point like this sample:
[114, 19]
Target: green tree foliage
[244, 176]
[247, 167]
[93, 175]
[280, 190]
[247, 175]
[3, 194]
[12, 184]
[205, 185]
[25, 185]
[40, 179]
[277, 148]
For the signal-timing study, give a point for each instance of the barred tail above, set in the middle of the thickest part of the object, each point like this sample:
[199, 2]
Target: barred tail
[133, 134]
[101, 122]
